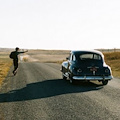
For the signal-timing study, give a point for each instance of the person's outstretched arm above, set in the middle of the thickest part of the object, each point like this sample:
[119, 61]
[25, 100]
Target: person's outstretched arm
[23, 52]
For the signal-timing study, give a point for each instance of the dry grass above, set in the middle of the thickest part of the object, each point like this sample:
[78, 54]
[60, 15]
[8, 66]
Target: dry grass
[113, 60]
[25, 59]
[5, 64]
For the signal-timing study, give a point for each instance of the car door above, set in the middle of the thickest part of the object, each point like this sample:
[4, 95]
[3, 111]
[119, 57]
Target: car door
[67, 64]
[71, 62]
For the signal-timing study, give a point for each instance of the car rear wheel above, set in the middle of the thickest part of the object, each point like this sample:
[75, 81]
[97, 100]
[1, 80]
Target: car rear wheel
[105, 82]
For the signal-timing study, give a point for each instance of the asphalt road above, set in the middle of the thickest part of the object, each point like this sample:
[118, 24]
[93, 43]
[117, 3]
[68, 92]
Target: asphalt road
[37, 92]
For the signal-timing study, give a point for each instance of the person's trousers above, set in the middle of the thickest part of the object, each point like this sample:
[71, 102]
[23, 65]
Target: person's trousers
[15, 63]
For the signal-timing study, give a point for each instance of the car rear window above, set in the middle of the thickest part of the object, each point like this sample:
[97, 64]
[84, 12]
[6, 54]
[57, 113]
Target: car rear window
[90, 56]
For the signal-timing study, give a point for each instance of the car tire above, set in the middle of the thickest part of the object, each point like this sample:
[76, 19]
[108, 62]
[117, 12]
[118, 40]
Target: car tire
[64, 78]
[105, 82]
[72, 81]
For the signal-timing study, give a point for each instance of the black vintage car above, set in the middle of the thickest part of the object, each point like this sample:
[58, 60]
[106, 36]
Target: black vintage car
[86, 66]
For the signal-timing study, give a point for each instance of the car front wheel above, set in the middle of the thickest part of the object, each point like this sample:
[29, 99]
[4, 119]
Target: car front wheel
[64, 78]
[72, 81]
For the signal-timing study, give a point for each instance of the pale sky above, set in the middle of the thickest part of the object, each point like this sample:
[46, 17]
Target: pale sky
[60, 24]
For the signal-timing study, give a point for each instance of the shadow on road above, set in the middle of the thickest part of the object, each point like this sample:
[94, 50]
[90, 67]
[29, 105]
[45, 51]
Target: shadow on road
[48, 88]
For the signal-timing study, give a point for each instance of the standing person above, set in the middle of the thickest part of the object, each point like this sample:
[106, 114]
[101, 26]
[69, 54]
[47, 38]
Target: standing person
[14, 56]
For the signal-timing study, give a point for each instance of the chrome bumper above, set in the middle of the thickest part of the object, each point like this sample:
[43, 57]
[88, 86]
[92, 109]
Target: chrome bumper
[92, 77]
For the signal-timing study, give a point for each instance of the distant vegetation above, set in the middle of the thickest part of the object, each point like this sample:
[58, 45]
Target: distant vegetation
[113, 60]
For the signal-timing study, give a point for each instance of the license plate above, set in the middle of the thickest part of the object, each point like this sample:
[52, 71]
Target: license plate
[93, 69]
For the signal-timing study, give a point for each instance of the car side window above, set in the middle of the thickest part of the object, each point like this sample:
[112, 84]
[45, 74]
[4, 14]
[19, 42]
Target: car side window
[71, 57]
[97, 57]
[74, 58]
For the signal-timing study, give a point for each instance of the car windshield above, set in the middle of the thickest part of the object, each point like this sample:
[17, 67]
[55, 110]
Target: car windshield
[89, 56]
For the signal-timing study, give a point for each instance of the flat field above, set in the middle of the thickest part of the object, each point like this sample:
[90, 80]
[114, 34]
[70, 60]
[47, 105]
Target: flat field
[48, 56]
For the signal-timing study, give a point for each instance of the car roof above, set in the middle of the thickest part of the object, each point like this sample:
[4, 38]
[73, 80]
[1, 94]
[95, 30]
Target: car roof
[87, 51]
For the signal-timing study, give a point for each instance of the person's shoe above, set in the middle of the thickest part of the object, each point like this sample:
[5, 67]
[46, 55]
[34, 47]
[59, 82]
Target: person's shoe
[14, 72]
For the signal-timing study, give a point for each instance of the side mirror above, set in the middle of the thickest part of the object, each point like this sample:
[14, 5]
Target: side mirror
[67, 58]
